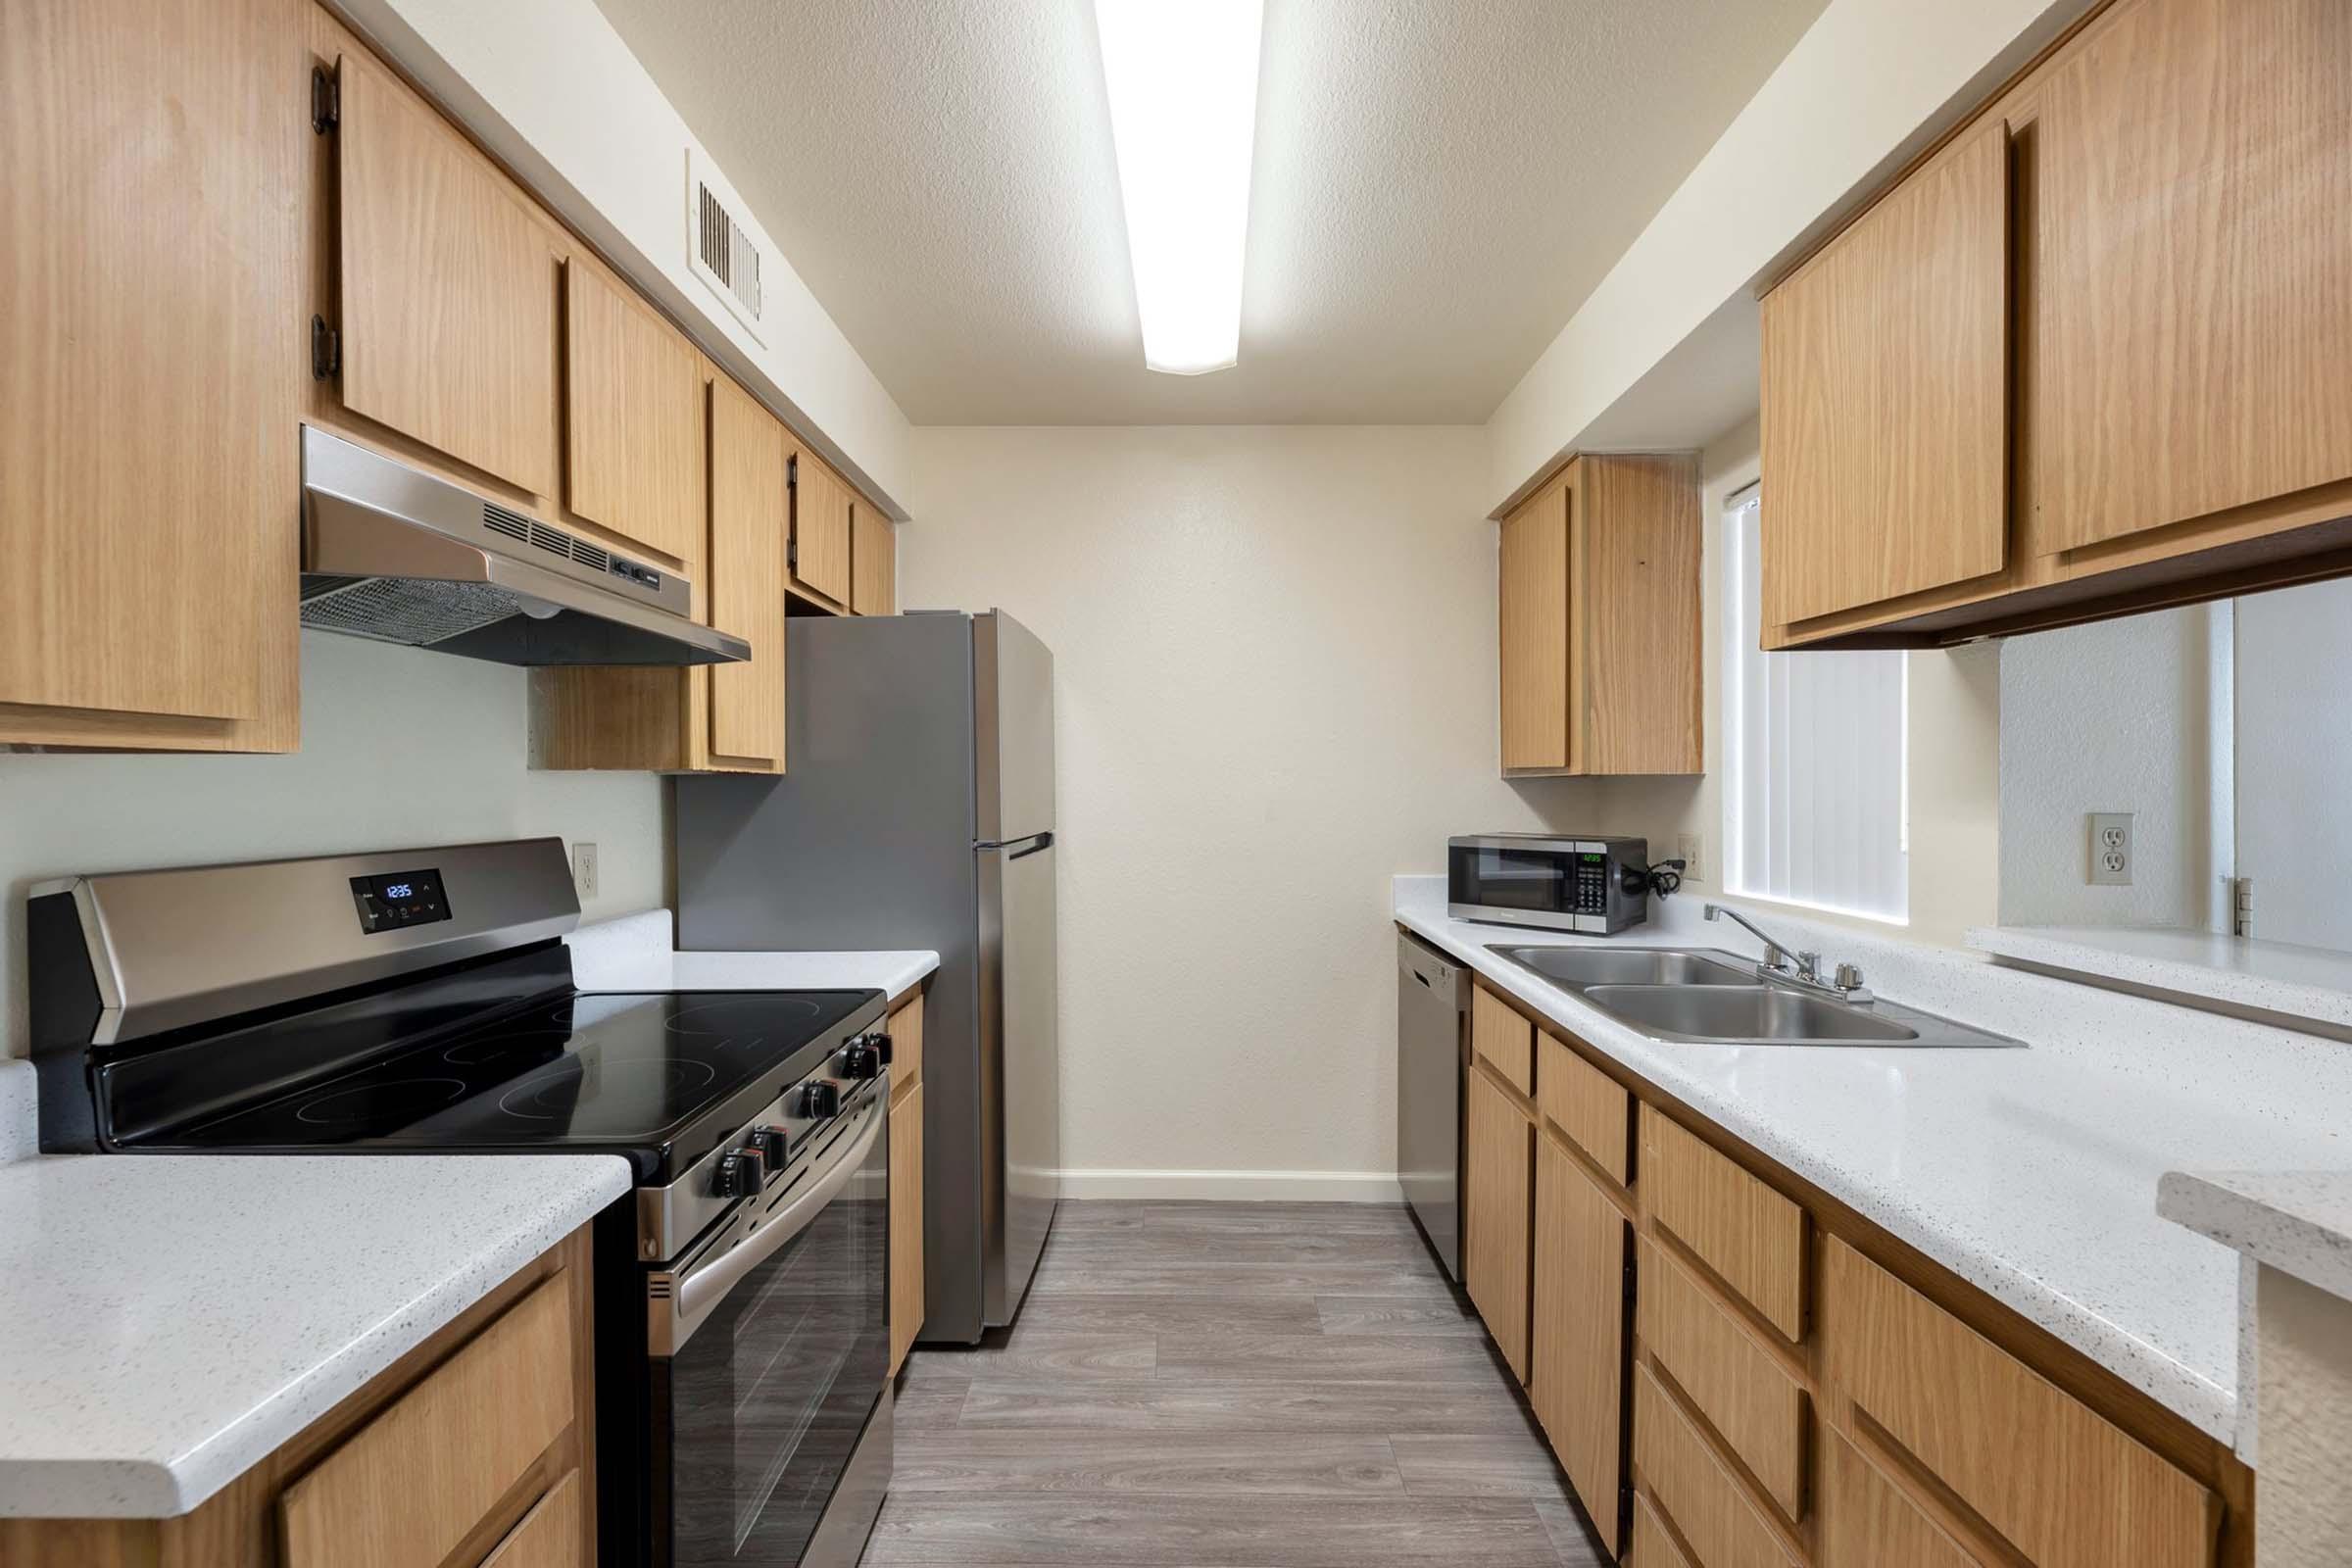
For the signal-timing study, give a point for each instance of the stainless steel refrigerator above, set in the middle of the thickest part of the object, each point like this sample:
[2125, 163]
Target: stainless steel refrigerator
[917, 811]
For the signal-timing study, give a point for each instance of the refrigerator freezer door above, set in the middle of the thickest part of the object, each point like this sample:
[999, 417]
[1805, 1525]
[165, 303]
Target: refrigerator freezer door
[1012, 700]
[1020, 1056]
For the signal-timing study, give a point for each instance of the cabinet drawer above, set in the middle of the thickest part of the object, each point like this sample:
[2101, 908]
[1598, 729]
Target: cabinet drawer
[1706, 1504]
[1752, 1402]
[1652, 1546]
[409, 1484]
[1867, 1522]
[548, 1536]
[1739, 1227]
[1503, 1038]
[2066, 1487]
[906, 1029]
[1586, 1103]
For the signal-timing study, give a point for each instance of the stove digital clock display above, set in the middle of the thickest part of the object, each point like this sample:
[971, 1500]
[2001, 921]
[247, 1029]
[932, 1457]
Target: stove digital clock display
[401, 899]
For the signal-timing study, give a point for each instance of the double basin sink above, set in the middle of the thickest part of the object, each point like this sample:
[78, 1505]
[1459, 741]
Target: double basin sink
[1702, 996]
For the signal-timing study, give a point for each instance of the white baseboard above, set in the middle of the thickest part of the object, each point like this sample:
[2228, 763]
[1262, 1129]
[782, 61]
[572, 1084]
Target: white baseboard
[1238, 1185]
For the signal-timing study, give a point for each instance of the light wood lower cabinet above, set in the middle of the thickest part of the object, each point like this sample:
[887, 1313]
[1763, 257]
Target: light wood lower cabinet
[907, 1277]
[1579, 1350]
[1730, 1375]
[477, 1448]
[1692, 1486]
[1867, 1522]
[1503, 1038]
[1598, 604]
[1749, 1234]
[1498, 1203]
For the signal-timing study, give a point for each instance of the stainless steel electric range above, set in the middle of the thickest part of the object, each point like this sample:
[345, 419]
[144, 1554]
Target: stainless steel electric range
[423, 1000]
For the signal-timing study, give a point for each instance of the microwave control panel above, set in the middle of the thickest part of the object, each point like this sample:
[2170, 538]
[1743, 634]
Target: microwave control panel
[1591, 892]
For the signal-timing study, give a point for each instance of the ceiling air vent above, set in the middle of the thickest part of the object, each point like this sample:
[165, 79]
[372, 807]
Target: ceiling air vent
[721, 248]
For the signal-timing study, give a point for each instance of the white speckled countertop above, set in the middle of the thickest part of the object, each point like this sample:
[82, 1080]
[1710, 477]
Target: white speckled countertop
[634, 954]
[2030, 1173]
[2275, 977]
[167, 1321]
[2296, 1221]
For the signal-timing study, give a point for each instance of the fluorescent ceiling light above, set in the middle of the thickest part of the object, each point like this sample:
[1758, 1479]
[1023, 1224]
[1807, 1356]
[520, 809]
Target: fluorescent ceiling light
[1183, 82]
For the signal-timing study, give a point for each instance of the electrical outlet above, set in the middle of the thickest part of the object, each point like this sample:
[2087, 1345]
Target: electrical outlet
[583, 870]
[2111, 848]
[1687, 849]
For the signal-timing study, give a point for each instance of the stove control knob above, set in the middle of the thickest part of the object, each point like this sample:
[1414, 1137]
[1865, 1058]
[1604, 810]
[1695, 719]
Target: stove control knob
[768, 1143]
[861, 1059]
[819, 1098]
[879, 1041]
[741, 1173]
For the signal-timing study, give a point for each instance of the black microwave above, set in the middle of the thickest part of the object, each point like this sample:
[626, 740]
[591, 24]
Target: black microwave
[1562, 884]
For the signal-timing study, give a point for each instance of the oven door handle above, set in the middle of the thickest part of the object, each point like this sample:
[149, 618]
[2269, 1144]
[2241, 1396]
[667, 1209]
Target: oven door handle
[702, 1290]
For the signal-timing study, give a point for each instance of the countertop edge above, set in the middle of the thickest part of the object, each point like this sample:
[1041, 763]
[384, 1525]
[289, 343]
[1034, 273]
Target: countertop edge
[2172, 1382]
[2309, 1002]
[2249, 1212]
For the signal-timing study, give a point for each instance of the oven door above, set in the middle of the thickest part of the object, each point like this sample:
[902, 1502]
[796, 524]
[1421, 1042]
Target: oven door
[771, 1353]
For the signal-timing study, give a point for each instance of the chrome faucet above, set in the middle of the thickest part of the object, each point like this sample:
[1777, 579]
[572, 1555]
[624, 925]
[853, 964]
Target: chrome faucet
[1845, 984]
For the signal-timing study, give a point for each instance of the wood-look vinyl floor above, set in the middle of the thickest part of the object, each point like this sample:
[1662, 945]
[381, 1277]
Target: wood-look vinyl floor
[1227, 1385]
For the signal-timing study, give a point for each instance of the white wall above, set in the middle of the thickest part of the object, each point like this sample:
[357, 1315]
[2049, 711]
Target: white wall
[2116, 716]
[1275, 651]
[399, 747]
[550, 88]
[2293, 752]
[1871, 84]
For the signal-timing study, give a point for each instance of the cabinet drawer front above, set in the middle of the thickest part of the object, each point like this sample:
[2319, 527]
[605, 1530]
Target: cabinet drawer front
[550, 1535]
[1865, 1521]
[1578, 1353]
[1652, 1546]
[1503, 1038]
[1498, 1197]
[1886, 408]
[1752, 1402]
[448, 288]
[1696, 1492]
[408, 1486]
[2066, 1487]
[1586, 1103]
[1737, 1226]
[906, 1029]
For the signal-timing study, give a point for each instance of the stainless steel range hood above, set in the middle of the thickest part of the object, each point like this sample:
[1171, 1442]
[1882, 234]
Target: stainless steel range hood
[394, 554]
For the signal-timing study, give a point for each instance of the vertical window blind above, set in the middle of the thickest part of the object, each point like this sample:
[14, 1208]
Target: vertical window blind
[1816, 795]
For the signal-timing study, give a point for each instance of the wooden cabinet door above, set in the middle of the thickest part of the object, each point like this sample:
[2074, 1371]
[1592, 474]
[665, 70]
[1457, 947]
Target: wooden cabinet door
[906, 1223]
[150, 348]
[820, 528]
[634, 436]
[748, 524]
[1886, 402]
[1499, 1178]
[2192, 262]
[1578, 1330]
[450, 287]
[1635, 687]
[548, 1536]
[1532, 587]
[1866, 1520]
[873, 560]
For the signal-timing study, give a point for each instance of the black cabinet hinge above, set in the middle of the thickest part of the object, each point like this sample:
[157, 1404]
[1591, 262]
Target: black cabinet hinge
[792, 514]
[326, 349]
[326, 100]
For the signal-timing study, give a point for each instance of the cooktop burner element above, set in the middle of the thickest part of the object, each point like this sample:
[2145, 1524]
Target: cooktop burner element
[413, 1096]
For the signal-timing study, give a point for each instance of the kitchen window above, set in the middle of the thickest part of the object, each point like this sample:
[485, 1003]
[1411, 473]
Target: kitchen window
[1816, 792]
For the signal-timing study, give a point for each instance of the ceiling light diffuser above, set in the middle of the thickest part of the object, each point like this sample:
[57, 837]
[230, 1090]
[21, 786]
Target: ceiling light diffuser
[1182, 77]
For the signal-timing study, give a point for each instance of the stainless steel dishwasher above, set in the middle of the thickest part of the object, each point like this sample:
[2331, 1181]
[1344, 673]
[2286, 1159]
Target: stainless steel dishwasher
[1433, 996]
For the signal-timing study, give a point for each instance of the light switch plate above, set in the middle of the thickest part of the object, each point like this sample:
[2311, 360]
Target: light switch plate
[583, 870]
[2111, 848]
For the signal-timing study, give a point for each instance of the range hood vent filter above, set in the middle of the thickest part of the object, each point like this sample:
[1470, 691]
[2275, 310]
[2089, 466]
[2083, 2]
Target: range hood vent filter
[399, 610]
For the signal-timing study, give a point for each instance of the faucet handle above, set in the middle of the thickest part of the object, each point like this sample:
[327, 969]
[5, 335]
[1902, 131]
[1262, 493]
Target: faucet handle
[1849, 978]
[1808, 966]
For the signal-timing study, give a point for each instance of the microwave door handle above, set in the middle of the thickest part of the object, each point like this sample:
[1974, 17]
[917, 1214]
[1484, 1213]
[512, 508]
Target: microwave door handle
[702, 1290]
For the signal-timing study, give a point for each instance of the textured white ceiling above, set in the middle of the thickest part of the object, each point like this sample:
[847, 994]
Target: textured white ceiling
[1437, 186]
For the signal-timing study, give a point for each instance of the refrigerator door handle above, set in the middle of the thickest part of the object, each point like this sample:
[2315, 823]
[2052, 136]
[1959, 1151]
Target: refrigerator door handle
[1031, 845]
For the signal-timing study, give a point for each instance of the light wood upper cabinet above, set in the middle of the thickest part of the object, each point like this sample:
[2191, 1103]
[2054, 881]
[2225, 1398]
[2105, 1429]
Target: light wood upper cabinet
[873, 560]
[820, 528]
[2193, 266]
[1498, 1200]
[1578, 1389]
[151, 349]
[1600, 618]
[450, 287]
[634, 432]
[1886, 396]
[749, 520]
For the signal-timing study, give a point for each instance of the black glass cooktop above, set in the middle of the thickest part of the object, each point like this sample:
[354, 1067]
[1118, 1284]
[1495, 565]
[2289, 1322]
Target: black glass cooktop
[630, 1072]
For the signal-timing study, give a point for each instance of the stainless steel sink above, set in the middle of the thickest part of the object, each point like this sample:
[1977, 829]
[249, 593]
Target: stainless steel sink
[1748, 1011]
[1580, 968]
[1703, 996]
